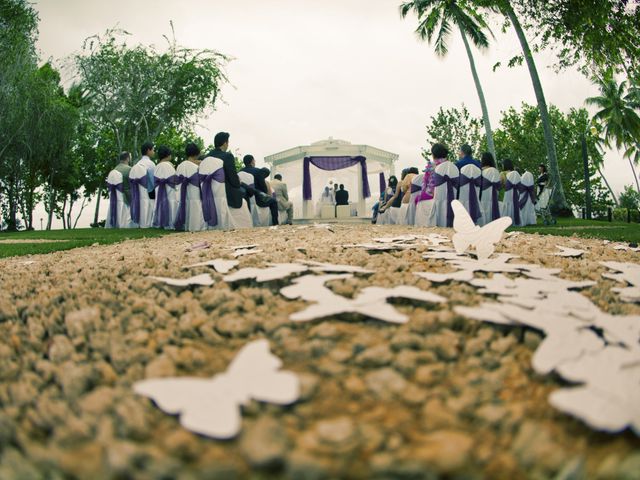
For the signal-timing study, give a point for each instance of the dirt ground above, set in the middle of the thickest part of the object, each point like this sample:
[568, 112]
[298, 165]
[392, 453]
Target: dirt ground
[438, 397]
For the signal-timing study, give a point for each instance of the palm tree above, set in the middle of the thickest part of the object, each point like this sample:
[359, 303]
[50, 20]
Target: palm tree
[436, 18]
[504, 6]
[618, 117]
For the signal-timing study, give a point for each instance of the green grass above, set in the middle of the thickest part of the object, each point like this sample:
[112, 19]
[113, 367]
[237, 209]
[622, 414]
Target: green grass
[566, 227]
[68, 239]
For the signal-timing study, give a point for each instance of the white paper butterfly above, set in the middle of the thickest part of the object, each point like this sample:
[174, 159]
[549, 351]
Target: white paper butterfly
[211, 406]
[482, 238]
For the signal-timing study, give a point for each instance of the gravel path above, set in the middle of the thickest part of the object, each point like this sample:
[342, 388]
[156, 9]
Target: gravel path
[438, 396]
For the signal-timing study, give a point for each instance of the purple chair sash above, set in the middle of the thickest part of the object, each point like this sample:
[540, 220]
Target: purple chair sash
[184, 182]
[516, 200]
[474, 204]
[113, 201]
[451, 184]
[134, 183]
[333, 163]
[161, 218]
[527, 193]
[495, 205]
[209, 211]
[415, 188]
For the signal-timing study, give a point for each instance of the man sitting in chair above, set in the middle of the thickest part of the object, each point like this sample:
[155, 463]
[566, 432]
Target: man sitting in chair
[233, 188]
[282, 197]
[342, 196]
[263, 199]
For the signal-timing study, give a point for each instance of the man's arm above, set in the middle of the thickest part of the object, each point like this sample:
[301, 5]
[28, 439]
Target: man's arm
[285, 192]
[230, 174]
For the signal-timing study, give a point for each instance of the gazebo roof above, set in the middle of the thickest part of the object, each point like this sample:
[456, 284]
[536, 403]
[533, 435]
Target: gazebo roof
[331, 147]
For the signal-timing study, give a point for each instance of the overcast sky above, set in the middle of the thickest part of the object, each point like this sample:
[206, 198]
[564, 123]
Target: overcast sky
[307, 70]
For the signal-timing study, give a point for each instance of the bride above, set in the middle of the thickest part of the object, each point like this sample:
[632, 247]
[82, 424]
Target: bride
[325, 199]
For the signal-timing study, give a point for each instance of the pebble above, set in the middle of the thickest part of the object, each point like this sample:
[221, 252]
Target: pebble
[378, 356]
[534, 447]
[264, 444]
[338, 433]
[503, 345]
[436, 415]
[98, 401]
[385, 383]
[445, 344]
[161, 366]
[448, 450]
[61, 349]
[80, 322]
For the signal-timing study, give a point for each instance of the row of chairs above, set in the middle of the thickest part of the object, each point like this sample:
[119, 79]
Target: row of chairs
[478, 190]
[189, 198]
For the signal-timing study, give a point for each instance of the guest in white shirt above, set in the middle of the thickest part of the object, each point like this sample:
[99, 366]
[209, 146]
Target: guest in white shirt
[147, 154]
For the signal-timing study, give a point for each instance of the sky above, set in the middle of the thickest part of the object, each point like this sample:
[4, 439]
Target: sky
[306, 70]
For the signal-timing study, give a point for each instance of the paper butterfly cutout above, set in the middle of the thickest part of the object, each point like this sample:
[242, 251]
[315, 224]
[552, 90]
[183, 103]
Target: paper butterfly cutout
[370, 302]
[568, 252]
[468, 234]
[245, 251]
[331, 268]
[629, 273]
[219, 265]
[245, 247]
[203, 280]
[211, 406]
[626, 248]
[275, 271]
[198, 246]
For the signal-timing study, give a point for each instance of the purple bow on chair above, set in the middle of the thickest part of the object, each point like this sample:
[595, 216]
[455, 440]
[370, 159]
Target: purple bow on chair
[209, 211]
[415, 188]
[451, 184]
[495, 205]
[114, 188]
[134, 183]
[474, 204]
[184, 182]
[161, 218]
[527, 193]
[515, 189]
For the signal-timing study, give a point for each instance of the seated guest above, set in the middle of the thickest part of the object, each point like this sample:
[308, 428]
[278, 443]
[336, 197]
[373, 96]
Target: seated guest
[507, 166]
[148, 152]
[465, 158]
[192, 152]
[124, 168]
[282, 197]
[393, 198]
[342, 196]
[543, 179]
[487, 161]
[234, 191]
[405, 185]
[263, 198]
[439, 154]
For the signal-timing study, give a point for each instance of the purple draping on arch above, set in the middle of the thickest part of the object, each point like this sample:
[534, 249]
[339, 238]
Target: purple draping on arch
[134, 183]
[209, 211]
[114, 188]
[474, 204]
[451, 182]
[161, 218]
[495, 205]
[383, 184]
[515, 192]
[333, 163]
[184, 182]
[526, 193]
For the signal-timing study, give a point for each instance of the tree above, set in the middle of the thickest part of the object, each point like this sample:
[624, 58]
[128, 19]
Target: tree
[438, 16]
[137, 93]
[453, 127]
[630, 198]
[617, 115]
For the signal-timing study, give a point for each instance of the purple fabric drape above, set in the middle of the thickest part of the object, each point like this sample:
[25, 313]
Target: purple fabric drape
[161, 218]
[514, 189]
[114, 188]
[451, 184]
[333, 163]
[134, 183]
[209, 211]
[416, 188]
[474, 204]
[527, 193]
[495, 205]
[383, 184]
[184, 183]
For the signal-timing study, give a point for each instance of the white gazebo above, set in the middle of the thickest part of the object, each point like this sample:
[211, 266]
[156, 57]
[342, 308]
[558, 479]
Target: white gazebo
[291, 165]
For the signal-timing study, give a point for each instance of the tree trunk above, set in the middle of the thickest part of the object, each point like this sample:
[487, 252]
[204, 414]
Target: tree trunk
[12, 218]
[97, 211]
[613, 195]
[559, 201]
[633, 169]
[483, 104]
[64, 220]
[52, 203]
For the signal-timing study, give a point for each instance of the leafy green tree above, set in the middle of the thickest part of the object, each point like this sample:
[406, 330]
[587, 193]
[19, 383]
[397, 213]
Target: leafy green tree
[437, 18]
[137, 93]
[630, 198]
[454, 127]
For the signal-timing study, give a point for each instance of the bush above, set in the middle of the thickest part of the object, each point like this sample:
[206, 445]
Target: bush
[620, 215]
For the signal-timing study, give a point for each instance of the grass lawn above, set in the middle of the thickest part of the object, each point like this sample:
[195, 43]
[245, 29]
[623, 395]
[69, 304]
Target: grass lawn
[614, 231]
[67, 239]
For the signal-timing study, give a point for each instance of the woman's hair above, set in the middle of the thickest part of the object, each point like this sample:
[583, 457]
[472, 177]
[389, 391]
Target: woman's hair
[507, 165]
[414, 170]
[543, 167]
[438, 150]
[487, 160]
[393, 181]
[404, 173]
[192, 150]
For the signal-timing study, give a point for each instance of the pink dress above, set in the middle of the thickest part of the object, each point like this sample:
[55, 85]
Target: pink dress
[428, 183]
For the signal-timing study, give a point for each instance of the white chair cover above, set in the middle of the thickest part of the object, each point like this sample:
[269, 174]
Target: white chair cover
[489, 189]
[384, 218]
[527, 194]
[511, 200]
[193, 218]
[118, 215]
[260, 216]
[165, 171]
[445, 191]
[470, 177]
[396, 215]
[218, 194]
[138, 174]
[416, 188]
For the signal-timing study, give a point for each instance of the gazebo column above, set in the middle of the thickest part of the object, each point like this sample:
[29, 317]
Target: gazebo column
[306, 208]
[361, 204]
